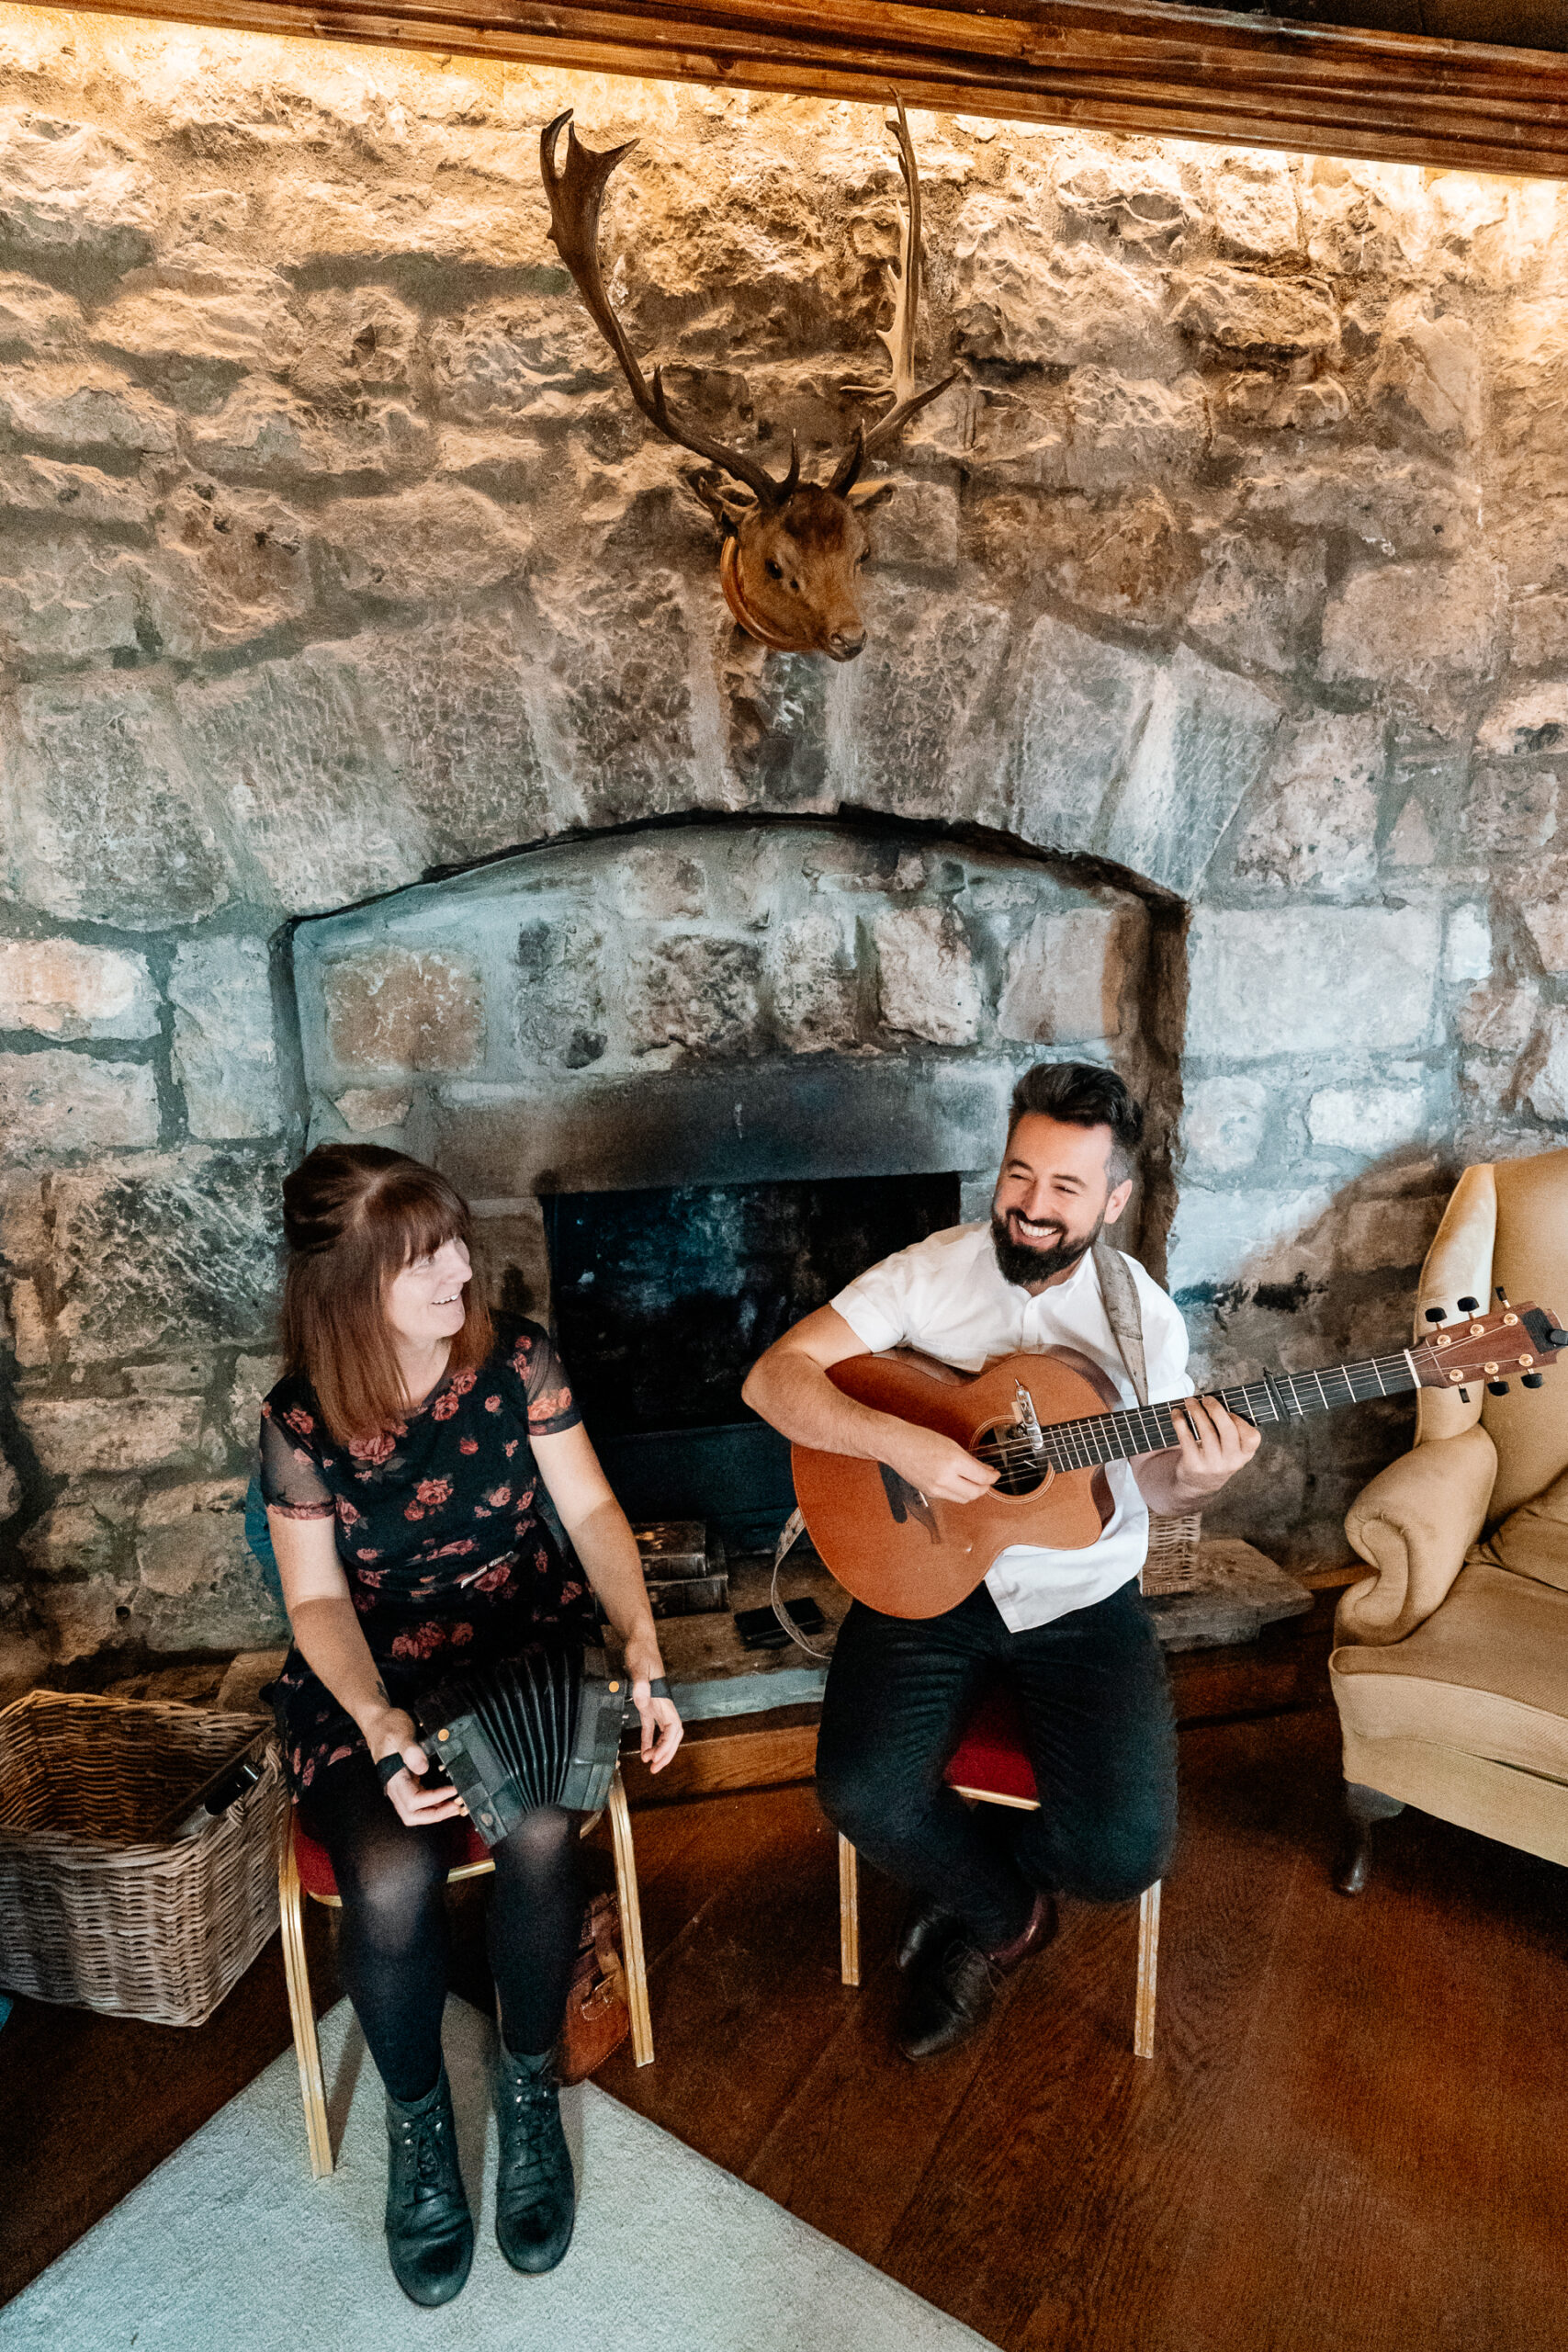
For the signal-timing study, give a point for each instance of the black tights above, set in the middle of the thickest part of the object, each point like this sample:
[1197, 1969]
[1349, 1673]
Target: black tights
[392, 1947]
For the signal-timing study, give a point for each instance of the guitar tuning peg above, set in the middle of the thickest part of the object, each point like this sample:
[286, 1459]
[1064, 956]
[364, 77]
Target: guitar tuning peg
[1497, 1388]
[1436, 1315]
[1470, 1307]
[1501, 1296]
[1465, 1396]
[1530, 1380]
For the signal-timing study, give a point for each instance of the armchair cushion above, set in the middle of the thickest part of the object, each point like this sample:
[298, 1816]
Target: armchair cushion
[1487, 1673]
[1533, 1539]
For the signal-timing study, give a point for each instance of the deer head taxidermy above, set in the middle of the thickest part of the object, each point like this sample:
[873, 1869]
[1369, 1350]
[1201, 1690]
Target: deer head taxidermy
[792, 550]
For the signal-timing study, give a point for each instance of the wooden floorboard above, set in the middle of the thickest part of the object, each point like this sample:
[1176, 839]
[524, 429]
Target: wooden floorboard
[1347, 2140]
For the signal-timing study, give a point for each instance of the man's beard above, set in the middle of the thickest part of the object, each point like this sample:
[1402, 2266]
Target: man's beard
[1026, 1261]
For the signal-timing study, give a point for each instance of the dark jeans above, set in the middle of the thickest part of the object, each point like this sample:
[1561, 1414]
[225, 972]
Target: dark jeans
[1097, 1718]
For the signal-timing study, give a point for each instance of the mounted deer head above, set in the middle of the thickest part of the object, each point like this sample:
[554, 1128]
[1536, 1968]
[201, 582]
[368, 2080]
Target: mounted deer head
[792, 550]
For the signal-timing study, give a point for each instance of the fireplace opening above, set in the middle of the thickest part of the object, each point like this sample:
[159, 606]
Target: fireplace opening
[663, 1301]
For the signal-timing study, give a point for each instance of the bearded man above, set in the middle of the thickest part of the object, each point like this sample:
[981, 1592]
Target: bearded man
[1068, 1629]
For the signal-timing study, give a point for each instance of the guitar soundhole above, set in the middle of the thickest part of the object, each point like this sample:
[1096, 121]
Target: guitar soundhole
[1005, 1446]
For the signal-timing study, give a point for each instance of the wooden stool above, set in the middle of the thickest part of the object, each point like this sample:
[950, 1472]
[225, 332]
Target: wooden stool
[991, 1767]
[305, 1869]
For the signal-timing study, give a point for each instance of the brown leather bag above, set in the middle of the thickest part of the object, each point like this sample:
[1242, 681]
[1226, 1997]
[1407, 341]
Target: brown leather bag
[597, 2017]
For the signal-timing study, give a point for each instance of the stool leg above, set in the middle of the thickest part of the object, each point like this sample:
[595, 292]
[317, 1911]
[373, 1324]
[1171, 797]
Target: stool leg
[302, 2015]
[1148, 1963]
[631, 1924]
[849, 1912]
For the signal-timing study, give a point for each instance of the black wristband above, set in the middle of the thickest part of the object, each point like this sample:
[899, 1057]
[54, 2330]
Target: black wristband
[658, 1689]
[389, 1767]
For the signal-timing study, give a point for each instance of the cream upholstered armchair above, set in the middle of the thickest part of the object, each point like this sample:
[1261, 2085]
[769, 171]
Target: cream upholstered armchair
[1450, 1671]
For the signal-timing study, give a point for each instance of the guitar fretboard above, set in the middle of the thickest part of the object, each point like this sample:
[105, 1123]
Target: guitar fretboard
[1278, 1396]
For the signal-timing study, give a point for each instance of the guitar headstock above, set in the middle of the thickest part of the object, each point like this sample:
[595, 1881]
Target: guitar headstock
[1493, 1348]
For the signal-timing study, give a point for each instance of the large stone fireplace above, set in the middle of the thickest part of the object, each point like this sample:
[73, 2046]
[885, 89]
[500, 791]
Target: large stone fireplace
[377, 753]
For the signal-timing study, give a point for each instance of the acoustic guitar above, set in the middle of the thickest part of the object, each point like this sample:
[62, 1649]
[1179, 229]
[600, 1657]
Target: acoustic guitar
[1049, 1422]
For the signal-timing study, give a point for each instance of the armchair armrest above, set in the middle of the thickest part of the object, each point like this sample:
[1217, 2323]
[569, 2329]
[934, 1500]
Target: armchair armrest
[1414, 1524]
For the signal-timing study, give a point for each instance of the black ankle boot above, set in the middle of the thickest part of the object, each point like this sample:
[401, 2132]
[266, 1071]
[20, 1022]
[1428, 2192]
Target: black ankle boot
[536, 2197]
[429, 2231]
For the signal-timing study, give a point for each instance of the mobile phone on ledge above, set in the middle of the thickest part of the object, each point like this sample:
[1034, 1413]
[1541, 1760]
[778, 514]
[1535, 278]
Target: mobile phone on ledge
[759, 1630]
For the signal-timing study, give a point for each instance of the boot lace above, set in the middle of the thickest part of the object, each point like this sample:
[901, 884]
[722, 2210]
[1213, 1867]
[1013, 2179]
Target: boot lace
[533, 2157]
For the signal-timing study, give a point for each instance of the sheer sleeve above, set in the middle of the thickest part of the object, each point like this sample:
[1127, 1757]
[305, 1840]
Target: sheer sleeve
[546, 1388]
[292, 1481]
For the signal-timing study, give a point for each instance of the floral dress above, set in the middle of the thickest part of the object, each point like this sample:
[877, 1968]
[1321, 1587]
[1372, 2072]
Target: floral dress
[449, 1562]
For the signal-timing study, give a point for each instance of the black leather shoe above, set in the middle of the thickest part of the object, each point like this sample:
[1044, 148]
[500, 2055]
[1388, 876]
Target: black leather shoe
[535, 2196]
[956, 1988]
[927, 1923]
[429, 2231]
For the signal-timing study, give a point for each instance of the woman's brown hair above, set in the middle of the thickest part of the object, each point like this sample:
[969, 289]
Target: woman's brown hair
[354, 1216]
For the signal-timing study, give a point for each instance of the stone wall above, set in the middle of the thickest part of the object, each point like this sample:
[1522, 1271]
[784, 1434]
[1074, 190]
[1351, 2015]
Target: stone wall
[1233, 574]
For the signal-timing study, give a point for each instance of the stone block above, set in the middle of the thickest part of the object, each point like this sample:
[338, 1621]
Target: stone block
[816, 991]
[1085, 704]
[1467, 946]
[506, 359]
[355, 342]
[921, 723]
[10, 1487]
[62, 601]
[1132, 559]
[55, 1104]
[370, 1110]
[300, 768]
[74, 1435]
[1131, 430]
[75, 195]
[254, 1377]
[1238, 309]
[49, 490]
[1255, 212]
[563, 1010]
[63, 989]
[202, 329]
[453, 706]
[1547, 922]
[1257, 602]
[1067, 982]
[420, 220]
[1400, 507]
[1534, 722]
[1314, 826]
[1420, 624]
[35, 318]
[1410, 843]
[1428, 375]
[694, 992]
[84, 407]
[1204, 739]
[100, 818]
[1366, 1119]
[1255, 1235]
[1310, 980]
[1547, 1094]
[396, 1009]
[438, 539]
[175, 1250]
[1019, 296]
[1509, 811]
[200, 1587]
[621, 703]
[1222, 1125]
[264, 436]
[233, 565]
[1540, 626]
[1498, 1018]
[925, 976]
[225, 1055]
[919, 527]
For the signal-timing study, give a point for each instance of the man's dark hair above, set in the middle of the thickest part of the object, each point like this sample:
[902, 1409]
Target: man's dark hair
[1081, 1094]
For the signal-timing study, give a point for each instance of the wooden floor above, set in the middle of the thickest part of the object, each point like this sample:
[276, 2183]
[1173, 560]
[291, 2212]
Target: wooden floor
[1349, 2139]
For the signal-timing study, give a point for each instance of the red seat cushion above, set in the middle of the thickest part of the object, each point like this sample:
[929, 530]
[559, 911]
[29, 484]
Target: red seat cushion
[314, 1864]
[991, 1754]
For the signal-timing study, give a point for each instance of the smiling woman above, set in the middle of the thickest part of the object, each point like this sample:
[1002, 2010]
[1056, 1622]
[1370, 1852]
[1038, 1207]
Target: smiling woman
[400, 1459]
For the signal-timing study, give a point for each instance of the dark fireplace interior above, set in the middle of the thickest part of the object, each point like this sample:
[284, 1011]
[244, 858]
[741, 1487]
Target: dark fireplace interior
[663, 1301]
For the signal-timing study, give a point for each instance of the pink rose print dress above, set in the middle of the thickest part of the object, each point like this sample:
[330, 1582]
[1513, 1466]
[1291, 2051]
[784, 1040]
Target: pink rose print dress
[449, 1562]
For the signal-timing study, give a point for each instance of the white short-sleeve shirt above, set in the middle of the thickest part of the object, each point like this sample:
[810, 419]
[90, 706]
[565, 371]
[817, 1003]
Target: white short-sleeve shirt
[948, 1296]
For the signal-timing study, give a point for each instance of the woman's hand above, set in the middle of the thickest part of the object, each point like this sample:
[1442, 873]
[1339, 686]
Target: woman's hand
[419, 1807]
[662, 1729]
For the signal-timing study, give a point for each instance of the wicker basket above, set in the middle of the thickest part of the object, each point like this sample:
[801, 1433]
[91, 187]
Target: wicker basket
[92, 1912]
[1172, 1562]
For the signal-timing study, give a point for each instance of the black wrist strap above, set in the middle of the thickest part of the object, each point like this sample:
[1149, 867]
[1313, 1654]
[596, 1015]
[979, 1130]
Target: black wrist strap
[389, 1767]
[658, 1689]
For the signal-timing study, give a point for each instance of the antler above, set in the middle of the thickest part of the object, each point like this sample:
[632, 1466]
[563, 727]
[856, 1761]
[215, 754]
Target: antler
[576, 194]
[900, 338]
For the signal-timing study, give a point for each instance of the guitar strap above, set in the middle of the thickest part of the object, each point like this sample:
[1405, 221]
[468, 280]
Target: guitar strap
[1119, 1290]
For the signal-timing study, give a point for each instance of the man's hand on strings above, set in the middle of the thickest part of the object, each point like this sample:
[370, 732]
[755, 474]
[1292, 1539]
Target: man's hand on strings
[938, 1466]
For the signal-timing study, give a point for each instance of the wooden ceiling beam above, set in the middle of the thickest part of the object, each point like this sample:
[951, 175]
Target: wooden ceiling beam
[1129, 65]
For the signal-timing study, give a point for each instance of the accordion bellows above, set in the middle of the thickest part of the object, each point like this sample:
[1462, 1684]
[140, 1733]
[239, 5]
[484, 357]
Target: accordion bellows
[542, 1729]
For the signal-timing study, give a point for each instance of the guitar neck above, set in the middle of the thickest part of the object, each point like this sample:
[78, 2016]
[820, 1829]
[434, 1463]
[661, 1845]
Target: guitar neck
[1278, 1396]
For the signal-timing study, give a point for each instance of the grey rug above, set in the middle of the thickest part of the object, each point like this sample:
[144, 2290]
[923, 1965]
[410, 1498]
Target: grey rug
[230, 2246]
